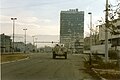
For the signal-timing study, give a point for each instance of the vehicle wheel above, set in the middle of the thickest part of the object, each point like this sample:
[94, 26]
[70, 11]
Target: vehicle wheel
[54, 56]
[65, 56]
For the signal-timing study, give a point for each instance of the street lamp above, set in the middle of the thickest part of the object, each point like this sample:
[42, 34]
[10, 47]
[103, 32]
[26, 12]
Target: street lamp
[13, 31]
[90, 35]
[33, 44]
[25, 40]
[36, 43]
[33, 40]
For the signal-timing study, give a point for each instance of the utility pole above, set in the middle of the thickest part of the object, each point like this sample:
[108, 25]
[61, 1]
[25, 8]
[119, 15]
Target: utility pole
[13, 32]
[25, 40]
[90, 36]
[106, 32]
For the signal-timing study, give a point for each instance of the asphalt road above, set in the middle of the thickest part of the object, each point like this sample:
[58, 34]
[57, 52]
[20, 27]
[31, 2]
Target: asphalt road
[43, 67]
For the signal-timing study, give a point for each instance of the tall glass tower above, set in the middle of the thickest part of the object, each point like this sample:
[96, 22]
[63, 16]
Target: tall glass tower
[72, 28]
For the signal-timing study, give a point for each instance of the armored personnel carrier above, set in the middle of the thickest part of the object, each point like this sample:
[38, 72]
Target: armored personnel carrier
[59, 50]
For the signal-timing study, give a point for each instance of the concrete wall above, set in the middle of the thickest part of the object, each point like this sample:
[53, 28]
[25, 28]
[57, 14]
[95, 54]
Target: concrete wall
[100, 48]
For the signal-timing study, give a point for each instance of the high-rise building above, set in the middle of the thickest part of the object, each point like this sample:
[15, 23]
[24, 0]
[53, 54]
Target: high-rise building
[72, 28]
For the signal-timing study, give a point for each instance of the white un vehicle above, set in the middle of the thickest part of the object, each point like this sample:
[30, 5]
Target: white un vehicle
[59, 50]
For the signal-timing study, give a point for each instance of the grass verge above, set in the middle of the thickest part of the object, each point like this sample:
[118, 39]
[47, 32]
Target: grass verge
[107, 71]
[12, 57]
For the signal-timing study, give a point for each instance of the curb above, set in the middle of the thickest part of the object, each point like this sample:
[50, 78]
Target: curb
[98, 74]
[14, 60]
[85, 58]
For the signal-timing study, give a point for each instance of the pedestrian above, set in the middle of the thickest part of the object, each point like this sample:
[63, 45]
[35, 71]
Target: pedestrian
[63, 49]
[56, 48]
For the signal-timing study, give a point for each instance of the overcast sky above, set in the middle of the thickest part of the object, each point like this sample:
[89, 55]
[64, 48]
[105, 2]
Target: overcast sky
[42, 17]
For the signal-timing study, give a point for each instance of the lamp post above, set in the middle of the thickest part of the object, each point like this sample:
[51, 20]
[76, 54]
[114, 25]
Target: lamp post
[90, 36]
[13, 32]
[25, 40]
[33, 44]
[33, 40]
[36, 43]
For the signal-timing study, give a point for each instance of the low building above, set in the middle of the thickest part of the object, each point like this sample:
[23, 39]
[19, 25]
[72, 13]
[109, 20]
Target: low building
[95, 41]
[5, 43]
[20, 47]
[113, 33]
[113, 37]
[31, 48]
